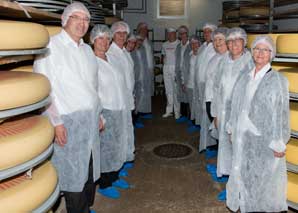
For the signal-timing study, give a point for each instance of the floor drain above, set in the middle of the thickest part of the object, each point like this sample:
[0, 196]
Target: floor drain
[172, 150]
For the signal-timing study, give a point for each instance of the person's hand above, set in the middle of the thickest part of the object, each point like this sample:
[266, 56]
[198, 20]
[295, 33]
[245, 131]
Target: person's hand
[279, 154]
[216, 122]
[101, 125]
[60, 135]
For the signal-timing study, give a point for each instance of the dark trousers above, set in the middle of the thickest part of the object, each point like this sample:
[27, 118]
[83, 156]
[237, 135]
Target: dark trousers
[184, 109]
[79, 202]
[106, 179]
[208, 109]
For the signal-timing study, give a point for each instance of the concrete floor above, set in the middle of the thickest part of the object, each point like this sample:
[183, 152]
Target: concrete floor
[160, 185]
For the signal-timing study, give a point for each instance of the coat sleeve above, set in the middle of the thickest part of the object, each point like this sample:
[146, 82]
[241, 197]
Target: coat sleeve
[281, 126]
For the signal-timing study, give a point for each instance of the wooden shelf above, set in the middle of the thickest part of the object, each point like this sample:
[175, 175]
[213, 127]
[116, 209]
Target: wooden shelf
[12, 10]
[15, 59]
[277, 3]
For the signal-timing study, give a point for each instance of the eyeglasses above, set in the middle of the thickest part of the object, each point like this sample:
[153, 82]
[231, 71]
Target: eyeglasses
[236, 41]
[78, 19]
[261, 50]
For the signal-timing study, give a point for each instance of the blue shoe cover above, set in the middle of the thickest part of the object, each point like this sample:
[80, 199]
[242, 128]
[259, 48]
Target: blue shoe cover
[189, 123]
[210, 154]
[110, 192]
[123, 173]
[147, 116]
[128, 165]
[193, 128]
[222, 179]
[122, 184]
[92, 211]
[222, 196]
[182, 119]
[139, 125]
[211, 167]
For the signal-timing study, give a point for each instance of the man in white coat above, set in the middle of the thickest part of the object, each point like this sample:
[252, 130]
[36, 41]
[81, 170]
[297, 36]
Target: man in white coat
[169, 61]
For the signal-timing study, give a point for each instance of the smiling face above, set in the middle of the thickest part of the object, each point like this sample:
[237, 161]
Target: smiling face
[219, 43]
[120, 38]
[184, 37]
[130, 45]
[77, 25]
[207, 34]
[172, 36]
[102, 44]
[261, 54]
[236, 47]
[195, 46]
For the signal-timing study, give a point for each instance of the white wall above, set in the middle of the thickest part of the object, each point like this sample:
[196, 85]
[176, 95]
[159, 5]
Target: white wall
[200, 11]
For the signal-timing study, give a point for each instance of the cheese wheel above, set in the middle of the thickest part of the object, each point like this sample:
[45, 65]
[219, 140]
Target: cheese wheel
[283, 65]
[22, 88]
[27, 68]
[24, 138]
[292, 151]
[16, 35]
[293, 187]
[287, 44]
[292, 75]
[252, 37]
[53, 30]
[294, 115]
[252, 11]
[24, 195]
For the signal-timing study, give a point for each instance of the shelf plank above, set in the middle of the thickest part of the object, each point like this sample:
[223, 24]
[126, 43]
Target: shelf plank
[15, 59]
[292, 205]
[294, 134]
[292, 168]
[277, 3]
[13, 10]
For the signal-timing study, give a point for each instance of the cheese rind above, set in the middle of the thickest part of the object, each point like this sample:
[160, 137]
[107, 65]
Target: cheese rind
[53, 30]
[27, 68]
[29, 194]
[16, 35]
[23, 139]
[292, 75]
[292, 151]
[19, 89]
[287, 44]
[294, 115]
[292, 187]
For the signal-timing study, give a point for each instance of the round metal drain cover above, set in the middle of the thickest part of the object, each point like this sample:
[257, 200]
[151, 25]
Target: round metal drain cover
[172, 150]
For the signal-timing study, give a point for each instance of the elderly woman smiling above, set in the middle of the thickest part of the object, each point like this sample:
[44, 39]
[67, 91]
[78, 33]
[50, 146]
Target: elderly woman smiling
[259, 128]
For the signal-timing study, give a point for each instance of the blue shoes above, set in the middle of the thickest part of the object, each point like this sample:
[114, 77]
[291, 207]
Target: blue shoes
[110, 192]
[211, 168]
[128, 165]
[122, 184]
[139, 125]
[182, 119]
[222, 196]
[210, 153]
[193, 128]
[146, 116]
[222, 179]
[92, 211]
[123, 173]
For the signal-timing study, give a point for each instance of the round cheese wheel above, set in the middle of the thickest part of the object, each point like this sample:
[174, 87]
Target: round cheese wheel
[292, 75]
[292, 151]
[21, 194]
[253, 11]
[27, 68]
[292, 187]
[24, 138]
[22, 88]
[252, 37]
[16, 35]
[294, 115]
[287, 44]
[53, 30]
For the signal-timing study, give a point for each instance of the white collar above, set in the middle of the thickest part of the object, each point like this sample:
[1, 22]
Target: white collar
[261, 72]
[66, 39]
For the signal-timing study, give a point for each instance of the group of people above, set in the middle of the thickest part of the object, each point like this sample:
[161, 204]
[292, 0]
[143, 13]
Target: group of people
[236, 100]
[231, 93]
[95, 96]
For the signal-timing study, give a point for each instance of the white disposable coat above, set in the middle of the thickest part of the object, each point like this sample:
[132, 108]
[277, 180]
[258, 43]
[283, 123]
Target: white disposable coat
[118, 132]
[229, 71]
[121, 61]
[259, 125]
[149, 55]
[72, 71]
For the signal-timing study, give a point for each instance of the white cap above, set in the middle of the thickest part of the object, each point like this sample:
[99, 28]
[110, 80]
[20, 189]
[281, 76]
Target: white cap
[132, 37]
[210, 26]
[182, 29]
[237, 32]
[171, 30]
[141, 25]
[100, 30]
[120, 26]
[72, 8]
[267, 40]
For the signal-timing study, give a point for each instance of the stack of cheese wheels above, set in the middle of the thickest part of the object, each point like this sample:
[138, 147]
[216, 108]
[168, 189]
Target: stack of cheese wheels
[294, 115]
[23, 194]
[292, 150]
[23, 139]
[16, 35]
[287, 44]
[292, 75]
[293, 187]
[252, 37]
[22, 88]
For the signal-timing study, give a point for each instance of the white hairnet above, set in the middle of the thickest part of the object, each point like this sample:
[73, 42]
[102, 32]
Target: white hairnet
[194, 38]
[132, 37]
[141, 25]
[209, 26]
[139, 37]
[171, 30]
[237, 32]
[182, 29]
[100, 30]
[120, 26]
[70, 9]
[220, 31]
[267, 40]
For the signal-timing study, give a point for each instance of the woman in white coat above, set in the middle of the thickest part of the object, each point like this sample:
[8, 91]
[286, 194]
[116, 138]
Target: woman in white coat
[259, 128]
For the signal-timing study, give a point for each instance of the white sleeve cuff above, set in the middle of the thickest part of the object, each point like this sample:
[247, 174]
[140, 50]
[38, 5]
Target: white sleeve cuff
[277, 146]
